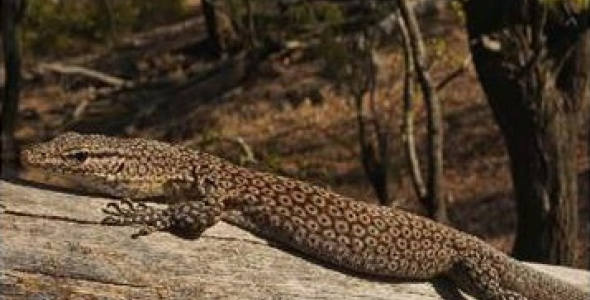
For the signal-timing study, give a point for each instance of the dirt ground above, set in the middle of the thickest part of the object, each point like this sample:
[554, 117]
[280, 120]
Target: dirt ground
[296, 122]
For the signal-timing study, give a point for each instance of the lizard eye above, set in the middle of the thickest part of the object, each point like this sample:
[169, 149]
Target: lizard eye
[79, 156]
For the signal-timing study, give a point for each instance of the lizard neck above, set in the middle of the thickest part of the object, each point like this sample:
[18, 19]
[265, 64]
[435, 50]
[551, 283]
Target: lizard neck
[236, 182]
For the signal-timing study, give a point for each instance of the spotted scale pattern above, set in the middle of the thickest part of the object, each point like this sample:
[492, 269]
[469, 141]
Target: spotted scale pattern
[202, 189]
[366, 238]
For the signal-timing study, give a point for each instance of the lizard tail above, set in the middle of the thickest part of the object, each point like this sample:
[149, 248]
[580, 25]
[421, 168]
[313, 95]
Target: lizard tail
[538, 285]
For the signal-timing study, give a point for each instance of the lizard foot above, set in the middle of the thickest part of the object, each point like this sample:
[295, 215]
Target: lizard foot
[128, 212]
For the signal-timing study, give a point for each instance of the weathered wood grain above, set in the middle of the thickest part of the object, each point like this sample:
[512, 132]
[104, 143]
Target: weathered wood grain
[53, 247]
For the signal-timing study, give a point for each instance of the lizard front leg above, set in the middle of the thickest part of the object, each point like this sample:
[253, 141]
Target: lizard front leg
[128, 212]
[192, 211]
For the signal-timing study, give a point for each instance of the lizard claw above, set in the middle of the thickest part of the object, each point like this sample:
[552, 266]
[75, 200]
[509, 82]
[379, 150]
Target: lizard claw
[115, 221]
[125, 212]
[143, 231]
[128, 212]
[112, 208]
[126, 207]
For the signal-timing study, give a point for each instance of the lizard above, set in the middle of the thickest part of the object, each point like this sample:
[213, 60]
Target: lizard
[201, 189]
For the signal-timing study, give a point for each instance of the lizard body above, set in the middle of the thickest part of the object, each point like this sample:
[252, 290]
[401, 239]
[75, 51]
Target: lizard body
[202, 189]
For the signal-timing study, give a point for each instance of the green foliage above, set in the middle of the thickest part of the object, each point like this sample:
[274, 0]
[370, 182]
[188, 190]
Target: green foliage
[305, 15]
[275, 23]
[350, 38]
[583, 3]
[65, 27]
[438, 49]
[457, 9]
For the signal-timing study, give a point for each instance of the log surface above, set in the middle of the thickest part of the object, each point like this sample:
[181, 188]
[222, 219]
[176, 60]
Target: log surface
[53, 247]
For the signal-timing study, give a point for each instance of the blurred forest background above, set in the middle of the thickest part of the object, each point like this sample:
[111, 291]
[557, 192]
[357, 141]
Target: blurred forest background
[347, 94]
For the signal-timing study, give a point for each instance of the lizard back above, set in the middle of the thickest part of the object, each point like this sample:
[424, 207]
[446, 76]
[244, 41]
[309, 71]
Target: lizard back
[362, 237]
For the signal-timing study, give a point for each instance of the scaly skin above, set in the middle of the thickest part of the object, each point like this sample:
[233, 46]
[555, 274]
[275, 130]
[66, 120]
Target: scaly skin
[202, 189]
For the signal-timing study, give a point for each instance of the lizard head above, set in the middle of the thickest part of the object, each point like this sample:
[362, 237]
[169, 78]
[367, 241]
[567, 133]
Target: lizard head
[123, 167]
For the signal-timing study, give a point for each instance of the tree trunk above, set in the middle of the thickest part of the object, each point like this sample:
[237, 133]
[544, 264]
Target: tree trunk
[12, 11]
[435, 203]
[408, 119]
[532, 64]
[374, 135]
[212, 26]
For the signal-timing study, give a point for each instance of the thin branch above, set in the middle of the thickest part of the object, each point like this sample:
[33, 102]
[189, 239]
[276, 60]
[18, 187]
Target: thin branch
[77, 70]
[373, 137]
[248, 156]
[455, 74]
[408, 119]
[437, 208]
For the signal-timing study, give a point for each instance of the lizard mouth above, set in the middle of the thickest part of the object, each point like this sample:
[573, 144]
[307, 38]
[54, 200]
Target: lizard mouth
[28, 159]
[38, 161]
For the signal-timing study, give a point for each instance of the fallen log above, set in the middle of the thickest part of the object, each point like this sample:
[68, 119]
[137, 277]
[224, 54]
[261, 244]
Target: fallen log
[53, 247]
[86, 72]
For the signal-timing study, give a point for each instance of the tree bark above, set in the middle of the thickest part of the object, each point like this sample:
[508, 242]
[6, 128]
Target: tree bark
[532, 63]
[12, 11]
[436, 204]
[408, 119]
[211, 25]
